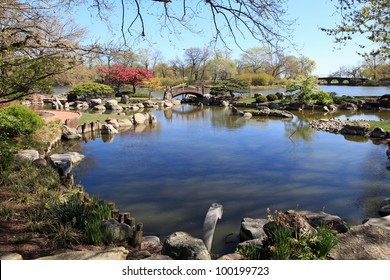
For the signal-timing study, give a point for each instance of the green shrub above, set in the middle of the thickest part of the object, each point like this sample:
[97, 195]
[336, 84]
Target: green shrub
[262, 79]
[261, 99]
[90, 89]
[320, 97]
[272, 97]
[17, 120]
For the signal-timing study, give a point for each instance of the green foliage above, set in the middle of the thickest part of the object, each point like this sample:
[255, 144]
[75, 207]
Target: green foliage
[271, 97]
[261, 99]
[17, 120]
[307, 91]
[262, 79]
[90, 89]
[288, 240]
[6, 212]
[231, 86]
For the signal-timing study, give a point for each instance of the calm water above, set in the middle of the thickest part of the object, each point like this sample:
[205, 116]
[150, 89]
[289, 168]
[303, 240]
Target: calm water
[168, 175]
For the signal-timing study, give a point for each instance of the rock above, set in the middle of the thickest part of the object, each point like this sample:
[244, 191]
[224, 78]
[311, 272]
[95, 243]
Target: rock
[149, 104]
[10, 256]
[117, 108]
[281, 114]
[111, 103]
[378, 132]
[384, 207]
[167, 103]
[363, 243]
[333, 107]
[134, 108]
[159, 258]
[274, 106]
[113, 122]
[73, 123]
[175, 102]
[225, 103]
[73, 157]
[70, 133]
[30, 155]
[258, 243]
[264, 111]
[382, 222]
[349, 106]
[124, 122]
[356, 128]
[140, 255]
[108, 129]
[303, 225]
[231, 257]
[247, 115]
[153, 119]
[99, 108]
[252, 229]
[318, 219]
[117, 253]
[120, 232]
[63, 165]
[182, 246]
[258, 94]
[139, 118]
[140, 105]
[151, 243]
[125, 99]
[95, 102]
[40, 162]
[326, 109]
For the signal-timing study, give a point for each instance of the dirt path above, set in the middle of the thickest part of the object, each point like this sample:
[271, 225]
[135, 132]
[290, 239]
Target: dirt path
[52, 115]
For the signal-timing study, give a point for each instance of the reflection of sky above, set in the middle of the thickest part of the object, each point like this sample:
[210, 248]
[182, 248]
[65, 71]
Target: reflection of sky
[169, 177]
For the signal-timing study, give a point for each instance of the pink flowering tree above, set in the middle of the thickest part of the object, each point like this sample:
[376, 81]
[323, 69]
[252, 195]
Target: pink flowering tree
[120, 75]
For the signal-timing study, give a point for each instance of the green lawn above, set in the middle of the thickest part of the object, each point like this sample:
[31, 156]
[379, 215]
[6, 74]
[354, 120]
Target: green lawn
[93, 117]
[385, 125]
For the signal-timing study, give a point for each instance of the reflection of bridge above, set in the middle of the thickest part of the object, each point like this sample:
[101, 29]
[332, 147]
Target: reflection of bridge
[343, 81]
[182, 89]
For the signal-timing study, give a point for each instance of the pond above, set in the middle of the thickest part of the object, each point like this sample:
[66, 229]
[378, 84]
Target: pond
[167, 175]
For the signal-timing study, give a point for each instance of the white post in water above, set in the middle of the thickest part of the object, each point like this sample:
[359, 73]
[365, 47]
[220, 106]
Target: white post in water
[215, 213]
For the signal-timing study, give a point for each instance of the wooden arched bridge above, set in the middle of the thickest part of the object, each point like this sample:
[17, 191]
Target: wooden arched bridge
[183, 89]
[342, 81]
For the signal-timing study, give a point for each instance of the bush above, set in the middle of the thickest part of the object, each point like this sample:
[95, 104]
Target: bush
[17, 120]
[272, 97]
[90, 89]
[321, 98]
[262, 79]
[261, 99]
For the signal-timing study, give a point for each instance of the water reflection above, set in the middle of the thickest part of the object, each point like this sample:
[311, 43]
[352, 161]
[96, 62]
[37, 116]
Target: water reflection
[169, 174]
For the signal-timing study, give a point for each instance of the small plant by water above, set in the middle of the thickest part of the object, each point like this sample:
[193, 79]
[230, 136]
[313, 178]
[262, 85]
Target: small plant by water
[290, 240]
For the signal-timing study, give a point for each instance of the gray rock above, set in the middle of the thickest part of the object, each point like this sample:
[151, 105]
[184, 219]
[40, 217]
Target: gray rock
[231, 257]
[381, 222]
[10, 256]
[182, 246]
[110, 104]
[117, 253]
[99, 108]
[73, 157]
[125, 99]
[280, 95]
[113, 122]
[70, 133]
[159, 258]
[151, 243]
[247, 115]
[363, 243]
[318, 219]
[28, 154]
[175, 102]
[252, 229]
[96, 102]
[225, 103]
[281, 114]
[108, 129]
[120, 232]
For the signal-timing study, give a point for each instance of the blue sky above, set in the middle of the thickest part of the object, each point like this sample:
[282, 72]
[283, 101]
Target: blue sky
[310, 41]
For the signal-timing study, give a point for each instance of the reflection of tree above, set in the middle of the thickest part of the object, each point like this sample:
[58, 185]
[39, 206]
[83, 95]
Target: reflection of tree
[299, 129]
[222, 117]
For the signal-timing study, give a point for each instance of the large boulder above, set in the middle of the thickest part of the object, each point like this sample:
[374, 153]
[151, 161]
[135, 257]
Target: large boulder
[110, 104]
[378, 132]
[252, 229]
[182, 246]
[139, 118]
[363, 243]
[100, 108]
[318, 219]
[74, 157]
[70, 133]
[108, 129]
[117, 253]
[120, 232]
[125, 99]
[151, 244]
